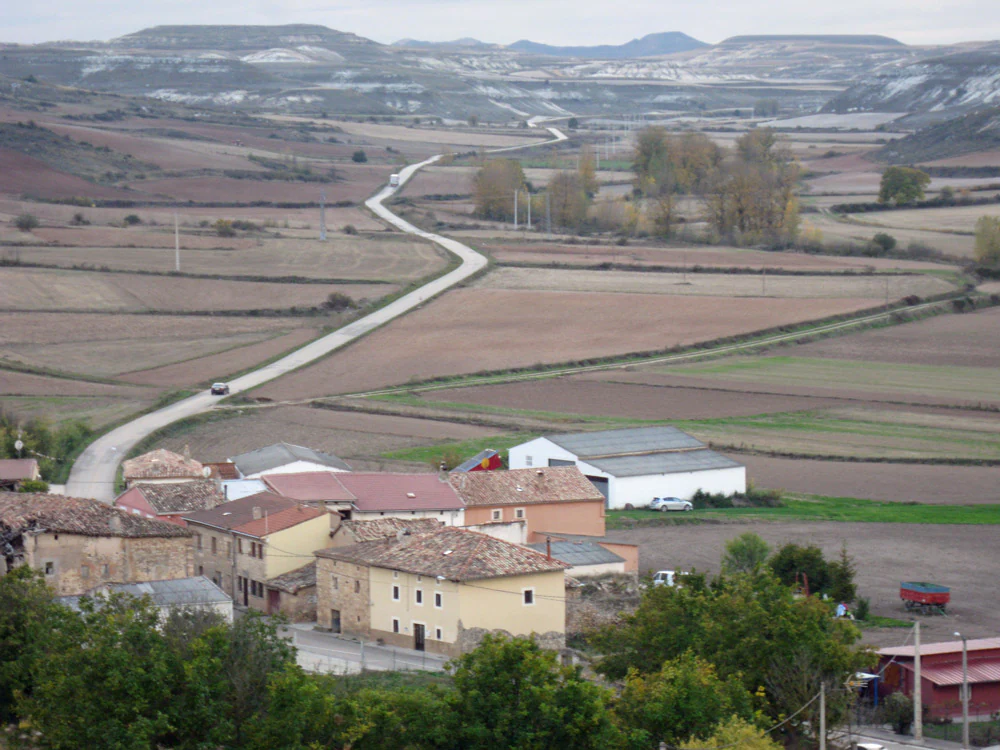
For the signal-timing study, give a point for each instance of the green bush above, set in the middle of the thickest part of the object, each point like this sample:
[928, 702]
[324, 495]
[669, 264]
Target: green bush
[26, 222]
[224, 228]
[885, 241]
[33, 485]
[862, 608]
[338, 302]
[132, 220]
[350, 229]
[359, 156]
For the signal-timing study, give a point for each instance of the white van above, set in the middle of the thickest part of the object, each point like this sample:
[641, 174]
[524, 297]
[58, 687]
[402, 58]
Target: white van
[394, 180]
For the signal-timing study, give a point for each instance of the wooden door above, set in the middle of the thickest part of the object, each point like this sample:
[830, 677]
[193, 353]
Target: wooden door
[418, 637]
[334, 620]
[273, 601]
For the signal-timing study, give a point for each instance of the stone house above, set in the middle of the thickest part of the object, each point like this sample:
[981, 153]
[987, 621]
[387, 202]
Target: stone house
[441, 592]
[13, 471]
[295, 592]
[79, 544]
[170, 502]
[161, 467]
[244, 543]
[354, 532]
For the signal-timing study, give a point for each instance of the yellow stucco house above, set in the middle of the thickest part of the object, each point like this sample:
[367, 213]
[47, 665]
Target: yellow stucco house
[441, 591]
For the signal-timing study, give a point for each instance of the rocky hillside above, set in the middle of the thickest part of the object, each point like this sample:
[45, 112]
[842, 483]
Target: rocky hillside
[970, 133]
[665, 43]
[241, 38]
[957, 82]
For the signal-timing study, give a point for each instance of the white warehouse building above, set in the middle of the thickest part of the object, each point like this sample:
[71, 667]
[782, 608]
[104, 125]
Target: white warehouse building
[631, 467]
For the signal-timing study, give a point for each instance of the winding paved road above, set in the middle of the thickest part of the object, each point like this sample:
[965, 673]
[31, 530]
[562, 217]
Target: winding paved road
[93, 474]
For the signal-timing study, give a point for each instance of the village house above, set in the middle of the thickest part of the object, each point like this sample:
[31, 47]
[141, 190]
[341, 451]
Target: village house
[441, 592]
[355, 532]
[161, 467]
[294, 593]
[403, 496]
[285, 458]
[322, 489]
[941, 676]
[180, 595]
[243, 544]
[15, 471]
[170, 502]
[79, 544]
[631, 467]
[543, 499]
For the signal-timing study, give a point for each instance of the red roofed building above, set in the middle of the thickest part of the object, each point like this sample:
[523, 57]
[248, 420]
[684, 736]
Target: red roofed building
[13, 471]
[321, 488]
[941, 675]
[170, 502]
[243, 544]
[403, 496]
[161, 466]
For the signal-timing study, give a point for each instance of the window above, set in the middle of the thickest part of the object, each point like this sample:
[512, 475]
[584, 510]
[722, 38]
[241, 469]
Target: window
[229, 549]
[201, 570]
[395, 593]
[253, 549]
[199, 540]
[336, 583]
[418, 596]
[260, 550]
[438, 600]
[214, 550]
[529, 597]
[239, 546]
[395, 574]
[519, 513]
[50, 568]
[419, 579]
[497, 515]
[528, 461]
[84, 571]
[437, 634]
[357, 587]
[136, 511]
[256, 589]
[106, 570]
[395, 624]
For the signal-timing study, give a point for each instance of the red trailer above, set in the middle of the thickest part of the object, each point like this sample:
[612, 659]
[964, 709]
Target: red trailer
[925, 598]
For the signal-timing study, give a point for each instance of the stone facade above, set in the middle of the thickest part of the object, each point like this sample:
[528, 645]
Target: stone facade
[74, 563]
[470, 638]
[300, 606]
[343, 596]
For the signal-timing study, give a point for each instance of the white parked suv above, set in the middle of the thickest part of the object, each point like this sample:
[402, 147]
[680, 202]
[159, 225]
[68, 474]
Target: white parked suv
[670, 503]
[667, 577]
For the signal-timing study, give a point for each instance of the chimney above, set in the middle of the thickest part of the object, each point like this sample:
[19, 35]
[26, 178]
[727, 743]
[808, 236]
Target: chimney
[548, 548]
[115, 523]
[257, 513]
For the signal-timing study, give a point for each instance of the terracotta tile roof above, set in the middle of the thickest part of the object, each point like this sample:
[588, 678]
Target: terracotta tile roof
[453, 553]
[381, 492]
[223, 470]
[309, 486]
[72, 515]
[562, 484]
[16, 469]
[383, 528]
[294, 580]
[277, 513]
[181, 497]
[161, 464]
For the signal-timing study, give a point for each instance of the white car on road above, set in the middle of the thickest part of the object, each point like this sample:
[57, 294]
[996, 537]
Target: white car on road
[670, 503]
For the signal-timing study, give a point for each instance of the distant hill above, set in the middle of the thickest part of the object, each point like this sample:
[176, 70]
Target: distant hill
[860, 40]
[665, 43]
[239, 38]
[455, 44]
[976, 131]
[957, 82]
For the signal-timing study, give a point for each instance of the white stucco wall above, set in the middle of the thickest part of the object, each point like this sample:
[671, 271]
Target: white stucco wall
[537, 453]
[584, 571]
[237, 489]
[447, 517]
[640, 491]
[515, 532]
[296, 467]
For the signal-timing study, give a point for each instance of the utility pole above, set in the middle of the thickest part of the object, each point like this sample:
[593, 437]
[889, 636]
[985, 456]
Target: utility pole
[177, 245]
[515, 207]
[529, 209]
[548, 212]
[822, 716]
[918, 700]
[322, 216]
[965, 692]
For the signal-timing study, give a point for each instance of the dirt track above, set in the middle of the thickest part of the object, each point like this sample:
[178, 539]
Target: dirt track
[962, 557]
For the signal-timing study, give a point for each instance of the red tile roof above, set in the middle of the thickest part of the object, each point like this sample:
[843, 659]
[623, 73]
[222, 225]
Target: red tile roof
[16, 469]
[161, 464]
[309, 486]
[180, 497]
[562, 484]
[294, 580]
[277, 513]
[452, 553]
[21, 511]
[390, 492]
[223, 470]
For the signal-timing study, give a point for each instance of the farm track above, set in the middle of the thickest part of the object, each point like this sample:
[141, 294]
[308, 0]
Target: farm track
[94, 472]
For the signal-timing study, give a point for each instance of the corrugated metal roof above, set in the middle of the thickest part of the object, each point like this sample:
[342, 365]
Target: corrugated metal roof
[177, 592]
[984, 670]
[619, 442]
[663, 463]
[476, 460]
[579, 553]
[945, 647]
[282, 454]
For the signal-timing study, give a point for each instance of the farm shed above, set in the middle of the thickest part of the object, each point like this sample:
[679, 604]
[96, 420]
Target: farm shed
[630, 467]
[176, 595]
[941, 675]
[285, 458]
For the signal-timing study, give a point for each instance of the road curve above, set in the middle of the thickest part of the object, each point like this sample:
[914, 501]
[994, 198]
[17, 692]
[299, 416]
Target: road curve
[93, 474]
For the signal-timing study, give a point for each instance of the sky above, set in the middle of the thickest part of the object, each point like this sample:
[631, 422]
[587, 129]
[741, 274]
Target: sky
[562, 22]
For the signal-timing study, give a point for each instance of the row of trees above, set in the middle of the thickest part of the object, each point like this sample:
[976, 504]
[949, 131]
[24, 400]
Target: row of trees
[706, 665]
[53, 447]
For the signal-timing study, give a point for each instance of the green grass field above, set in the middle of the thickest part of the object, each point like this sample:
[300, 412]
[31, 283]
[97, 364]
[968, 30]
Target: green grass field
[819, 508]
[432, 454]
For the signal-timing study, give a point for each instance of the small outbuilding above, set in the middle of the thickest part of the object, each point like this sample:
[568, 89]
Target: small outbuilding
[285, 458]
[176, 595]
[630, 467]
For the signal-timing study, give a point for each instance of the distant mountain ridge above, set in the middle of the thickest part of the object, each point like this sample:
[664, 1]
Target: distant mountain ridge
[861, 40]
[242, 38]
[664, 43]
[463, 43]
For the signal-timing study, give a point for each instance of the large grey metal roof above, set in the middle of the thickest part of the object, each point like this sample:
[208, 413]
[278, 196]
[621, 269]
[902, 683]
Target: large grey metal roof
[618, 442]
[579, 553]
[663, 463]
[178, 592]
[281, 454]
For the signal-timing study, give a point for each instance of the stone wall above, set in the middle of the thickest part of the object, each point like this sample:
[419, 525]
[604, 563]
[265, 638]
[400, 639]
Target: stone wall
[300, 607]
[343, 587]
[470, 638]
